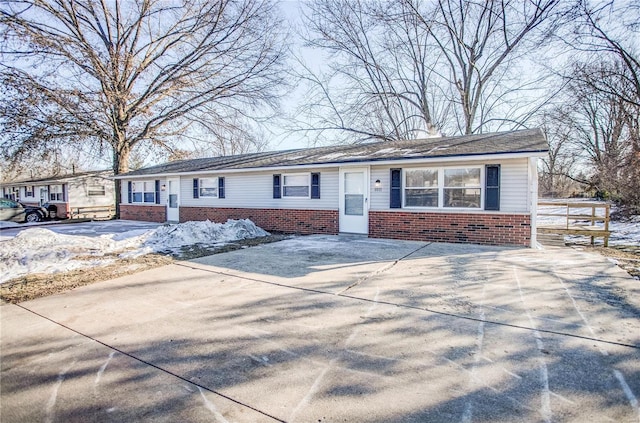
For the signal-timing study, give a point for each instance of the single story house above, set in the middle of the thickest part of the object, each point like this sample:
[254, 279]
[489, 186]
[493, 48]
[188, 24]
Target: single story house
[470, 189]
[66, 194]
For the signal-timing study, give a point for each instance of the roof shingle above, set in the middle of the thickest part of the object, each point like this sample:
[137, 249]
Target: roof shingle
[523, 141]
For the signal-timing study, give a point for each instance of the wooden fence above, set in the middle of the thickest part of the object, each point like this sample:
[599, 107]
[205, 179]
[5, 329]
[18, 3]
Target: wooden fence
[93, 212]
[593, 224]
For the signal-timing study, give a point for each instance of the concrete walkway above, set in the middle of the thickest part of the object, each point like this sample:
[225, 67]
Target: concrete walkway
[328, 329]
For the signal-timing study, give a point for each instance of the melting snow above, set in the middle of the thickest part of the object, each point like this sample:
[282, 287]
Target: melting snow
[39, 250]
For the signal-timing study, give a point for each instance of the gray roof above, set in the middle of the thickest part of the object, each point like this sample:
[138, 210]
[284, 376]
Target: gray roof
[524, 141]
[62, 178]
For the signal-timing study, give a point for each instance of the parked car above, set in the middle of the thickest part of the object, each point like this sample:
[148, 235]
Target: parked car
[18, 212]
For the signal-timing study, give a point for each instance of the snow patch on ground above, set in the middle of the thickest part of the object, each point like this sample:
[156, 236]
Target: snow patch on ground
[40, 250]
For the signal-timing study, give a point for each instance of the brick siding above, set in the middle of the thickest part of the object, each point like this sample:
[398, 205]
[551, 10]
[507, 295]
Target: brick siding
[476, 228]
[292, 221]
[481, 228]
[146, 213]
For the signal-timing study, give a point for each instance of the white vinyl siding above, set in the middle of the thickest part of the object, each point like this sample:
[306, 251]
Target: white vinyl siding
[85, 192]
[513, 186]
[255, 190]
[379, 198]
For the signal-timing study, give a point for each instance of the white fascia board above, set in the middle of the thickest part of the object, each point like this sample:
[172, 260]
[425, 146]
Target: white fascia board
[448, 159]
[62, 180]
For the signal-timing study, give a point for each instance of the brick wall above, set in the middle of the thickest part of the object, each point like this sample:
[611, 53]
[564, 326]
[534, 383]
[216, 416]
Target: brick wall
[476, 228]
[146, 213]
[481, 228]
[293, 221]
[62, 211]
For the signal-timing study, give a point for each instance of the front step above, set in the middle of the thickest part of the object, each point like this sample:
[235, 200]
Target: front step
[551, 240]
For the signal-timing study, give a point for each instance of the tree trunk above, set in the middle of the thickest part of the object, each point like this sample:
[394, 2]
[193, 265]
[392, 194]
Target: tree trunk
[120, 165]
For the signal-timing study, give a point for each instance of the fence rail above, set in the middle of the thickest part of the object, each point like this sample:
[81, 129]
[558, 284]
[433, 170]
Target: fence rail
[93, 212]
[574, 222]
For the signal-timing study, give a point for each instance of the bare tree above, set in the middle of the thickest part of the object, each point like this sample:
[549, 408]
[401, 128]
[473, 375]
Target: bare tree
[602, 134]
[401, 69]
[378, 84]
[604, 89]
[561, 173]
[481, 43]
[124, 75]
[609, 31]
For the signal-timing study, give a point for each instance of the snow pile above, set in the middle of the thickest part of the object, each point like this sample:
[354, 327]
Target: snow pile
[39, 250]
[172, 238]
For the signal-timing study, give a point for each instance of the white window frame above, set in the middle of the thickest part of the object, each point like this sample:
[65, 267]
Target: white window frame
[478, 187]
[135, 188]
[216, 186]
[307, 175]
[438, 188]
[30, 194]
[57, 191]
[441, 187]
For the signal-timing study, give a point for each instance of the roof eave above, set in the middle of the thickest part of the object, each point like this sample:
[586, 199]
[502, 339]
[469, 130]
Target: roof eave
[369, 162]
[61, 179]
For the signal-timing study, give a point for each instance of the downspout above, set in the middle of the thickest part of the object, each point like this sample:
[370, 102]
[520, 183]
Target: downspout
[533, 199]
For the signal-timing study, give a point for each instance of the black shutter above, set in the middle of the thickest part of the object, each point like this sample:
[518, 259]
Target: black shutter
[130, 191]
[396, 189]
[157, 191]
[315, 185]
[221, 187]
[492, 187]
[64, 192]
[276, 187]
[196, 191]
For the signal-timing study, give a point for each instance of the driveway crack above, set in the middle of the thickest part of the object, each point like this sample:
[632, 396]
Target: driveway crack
[381, 270]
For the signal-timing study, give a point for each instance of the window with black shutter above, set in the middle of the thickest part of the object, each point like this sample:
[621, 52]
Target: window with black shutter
[315, 185]
[157, 190]
[396, 189]
[277, 192]
[492, 187]
[221, 187]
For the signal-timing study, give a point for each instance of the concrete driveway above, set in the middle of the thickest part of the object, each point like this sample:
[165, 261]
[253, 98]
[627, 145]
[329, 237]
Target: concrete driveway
[332, 329]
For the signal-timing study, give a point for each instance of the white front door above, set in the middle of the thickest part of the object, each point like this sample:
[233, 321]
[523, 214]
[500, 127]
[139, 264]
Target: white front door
[354, 200]
[173, 200]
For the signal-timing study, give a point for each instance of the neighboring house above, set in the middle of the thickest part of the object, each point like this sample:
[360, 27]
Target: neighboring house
[65, 193]
[472, 189]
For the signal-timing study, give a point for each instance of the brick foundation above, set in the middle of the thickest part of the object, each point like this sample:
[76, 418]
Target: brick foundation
[294, 221]
[472, 228]
[146, 213]
[481, 228]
